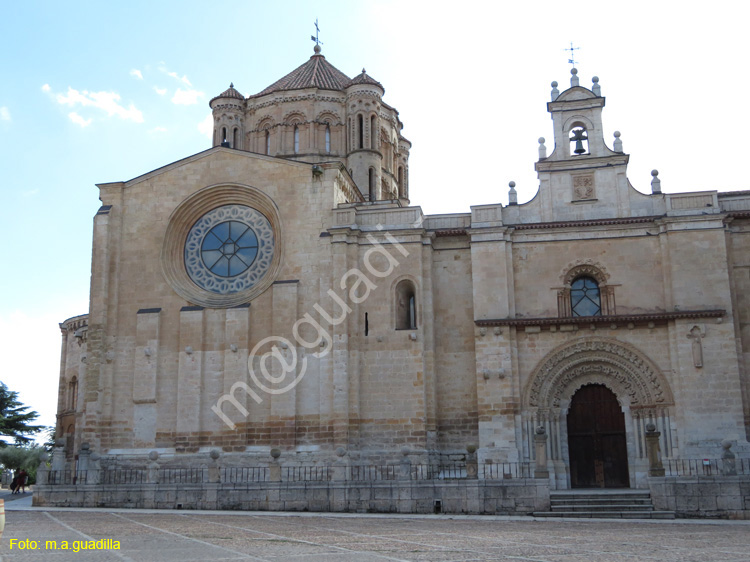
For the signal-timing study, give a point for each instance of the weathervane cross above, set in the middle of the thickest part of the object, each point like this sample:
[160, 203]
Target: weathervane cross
[572, 59]
[317, 31]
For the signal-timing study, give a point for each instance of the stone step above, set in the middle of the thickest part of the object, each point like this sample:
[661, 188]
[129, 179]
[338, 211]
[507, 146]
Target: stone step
[603, 507]
[601, 501]
[607, 514]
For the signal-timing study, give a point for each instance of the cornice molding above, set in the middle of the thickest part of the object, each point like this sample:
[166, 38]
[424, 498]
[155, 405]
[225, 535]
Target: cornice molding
[655, 317]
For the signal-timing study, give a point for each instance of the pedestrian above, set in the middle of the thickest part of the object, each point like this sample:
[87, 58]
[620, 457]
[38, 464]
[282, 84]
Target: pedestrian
[23, 476]
[14, 483]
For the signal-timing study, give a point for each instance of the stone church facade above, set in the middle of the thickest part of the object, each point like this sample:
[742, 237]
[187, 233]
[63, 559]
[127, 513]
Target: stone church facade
[279, 291]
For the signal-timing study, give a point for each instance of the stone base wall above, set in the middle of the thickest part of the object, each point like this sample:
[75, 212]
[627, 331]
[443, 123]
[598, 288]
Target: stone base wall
[726, 497]
[517, 497]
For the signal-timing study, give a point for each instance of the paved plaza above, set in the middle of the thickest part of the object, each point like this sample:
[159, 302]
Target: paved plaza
[186, 536]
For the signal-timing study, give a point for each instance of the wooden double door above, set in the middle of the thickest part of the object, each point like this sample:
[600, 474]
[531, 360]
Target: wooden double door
[596, 439]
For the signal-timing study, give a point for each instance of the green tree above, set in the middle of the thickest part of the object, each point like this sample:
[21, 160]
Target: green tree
[19, 457]
[15, 418]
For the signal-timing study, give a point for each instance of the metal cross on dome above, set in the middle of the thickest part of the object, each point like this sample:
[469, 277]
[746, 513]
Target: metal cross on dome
[317, 31]
[571, 60]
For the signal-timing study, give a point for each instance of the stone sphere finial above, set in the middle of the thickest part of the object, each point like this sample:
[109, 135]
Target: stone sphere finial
[512, 184]
[574, 71]
[541, 140]
[275, 453]
[726, 444]
[471, 448]
[618, 142]
[153, 455]
[405, 451]
[316, 48]
[340, 451]
[214, 454]
[595, 79]
[654, 173]
[555, 92]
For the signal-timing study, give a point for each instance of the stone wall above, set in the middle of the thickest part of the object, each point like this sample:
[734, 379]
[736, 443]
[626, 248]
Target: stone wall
[702, 496]
[519, 497]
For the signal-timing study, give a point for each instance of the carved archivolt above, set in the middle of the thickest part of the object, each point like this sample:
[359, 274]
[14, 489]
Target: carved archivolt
[294, 118]
[328, 117]
[265, 122]
[633, 377]
[588, 268]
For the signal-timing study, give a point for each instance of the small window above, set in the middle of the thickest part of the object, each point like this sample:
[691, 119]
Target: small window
[268, 142]
[372, 132]
[328, 139]
[371, 184]
[361, 124]
[406, 306]
[235, 138]
[585, 299]
[223, 134]
[296, 139]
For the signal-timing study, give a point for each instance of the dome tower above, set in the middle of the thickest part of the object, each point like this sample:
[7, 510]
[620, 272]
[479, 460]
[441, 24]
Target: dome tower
[229, 117]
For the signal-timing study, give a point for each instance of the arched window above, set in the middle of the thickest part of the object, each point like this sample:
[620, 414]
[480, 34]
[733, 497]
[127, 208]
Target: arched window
[235, 138]
[296, 139]
[361, 127]
[223, 134]
[372, 132]
[328, 139]
[73, 393]
[371, 184]
[401, 191]
[268, 142]
[406, 306]
[585, 299]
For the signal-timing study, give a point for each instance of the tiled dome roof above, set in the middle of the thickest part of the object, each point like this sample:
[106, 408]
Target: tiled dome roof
[315, 73]
[364, 78]
[230, 93]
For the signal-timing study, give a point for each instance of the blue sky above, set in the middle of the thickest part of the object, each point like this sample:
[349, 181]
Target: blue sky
[93, 92]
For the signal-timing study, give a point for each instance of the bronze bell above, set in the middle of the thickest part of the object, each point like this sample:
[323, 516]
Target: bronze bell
[579, 135]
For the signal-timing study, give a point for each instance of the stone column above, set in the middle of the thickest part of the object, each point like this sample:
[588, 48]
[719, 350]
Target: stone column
[728, 464]
[58, 461]
[213, 469]
[653, 451]
[42, 473]
[540, 450]
[83, 464]
[94, 468]
[274, 467]
[153, 468]
[472, 466]
[341, 466]
[404, 472]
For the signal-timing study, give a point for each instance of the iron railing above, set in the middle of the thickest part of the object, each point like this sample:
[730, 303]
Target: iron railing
[704, 467]
[291, 473]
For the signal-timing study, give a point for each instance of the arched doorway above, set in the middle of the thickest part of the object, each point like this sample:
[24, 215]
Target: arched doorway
[596, 439]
